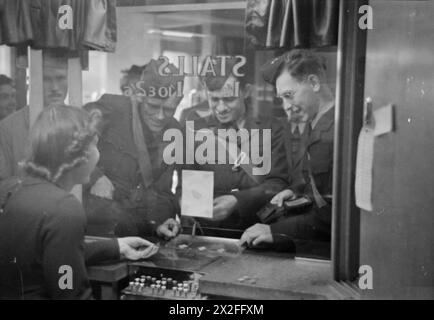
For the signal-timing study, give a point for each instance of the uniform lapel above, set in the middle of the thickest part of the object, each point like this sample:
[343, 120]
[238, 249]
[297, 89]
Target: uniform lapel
[322, 126]
[288, 138]
[249, 124]
[144, 159]
[301, 153]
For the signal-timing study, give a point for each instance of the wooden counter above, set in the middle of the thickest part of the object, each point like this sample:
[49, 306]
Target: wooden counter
[274, 276]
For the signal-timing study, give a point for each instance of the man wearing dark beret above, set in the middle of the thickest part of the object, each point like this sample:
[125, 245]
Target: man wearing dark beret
[130, 77]
[130, 192]
[300, 80]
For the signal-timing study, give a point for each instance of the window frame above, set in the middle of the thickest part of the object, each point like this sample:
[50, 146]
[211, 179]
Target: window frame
[348, 121]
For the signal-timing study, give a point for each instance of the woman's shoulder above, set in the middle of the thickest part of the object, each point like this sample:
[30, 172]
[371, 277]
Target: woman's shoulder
[42, 196]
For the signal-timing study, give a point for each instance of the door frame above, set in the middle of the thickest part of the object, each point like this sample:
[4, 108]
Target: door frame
[348, 122]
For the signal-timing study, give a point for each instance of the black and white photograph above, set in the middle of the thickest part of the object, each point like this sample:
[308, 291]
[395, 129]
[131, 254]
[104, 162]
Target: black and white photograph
[214, 155]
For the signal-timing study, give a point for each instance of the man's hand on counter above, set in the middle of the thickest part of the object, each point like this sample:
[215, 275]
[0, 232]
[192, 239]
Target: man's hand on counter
[169, 229]
[135, 248]
[256, 235]
[223, 207]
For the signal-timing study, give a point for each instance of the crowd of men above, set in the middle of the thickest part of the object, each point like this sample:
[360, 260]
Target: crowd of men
[131, 191]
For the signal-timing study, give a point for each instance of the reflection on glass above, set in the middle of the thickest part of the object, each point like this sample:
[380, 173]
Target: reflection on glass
[186, 38]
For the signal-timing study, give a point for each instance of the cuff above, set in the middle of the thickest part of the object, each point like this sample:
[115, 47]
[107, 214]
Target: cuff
[114, 249]
[250, 201]
[281, 240]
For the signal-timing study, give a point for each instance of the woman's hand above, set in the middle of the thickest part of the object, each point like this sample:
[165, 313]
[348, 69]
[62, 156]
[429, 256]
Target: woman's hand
[282, 196]
[135, 248]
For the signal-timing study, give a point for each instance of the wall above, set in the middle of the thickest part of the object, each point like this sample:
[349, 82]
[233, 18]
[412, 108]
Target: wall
[397, 238]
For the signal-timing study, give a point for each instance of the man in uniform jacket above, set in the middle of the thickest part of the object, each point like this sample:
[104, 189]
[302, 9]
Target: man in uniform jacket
[239, 193]
[300, 80]
[130, 191]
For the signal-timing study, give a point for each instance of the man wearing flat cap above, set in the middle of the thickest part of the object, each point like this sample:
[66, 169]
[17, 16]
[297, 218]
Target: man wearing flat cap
[300, 80]
[130, 191]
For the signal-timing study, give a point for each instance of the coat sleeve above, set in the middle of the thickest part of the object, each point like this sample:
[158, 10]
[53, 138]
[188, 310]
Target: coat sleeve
[5, 155]
[63, 256]
[273, 183]
[314, 224]
[101, 250]
[3, 168]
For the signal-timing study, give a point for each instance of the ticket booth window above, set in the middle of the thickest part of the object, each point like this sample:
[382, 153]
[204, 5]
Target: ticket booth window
[181, 33]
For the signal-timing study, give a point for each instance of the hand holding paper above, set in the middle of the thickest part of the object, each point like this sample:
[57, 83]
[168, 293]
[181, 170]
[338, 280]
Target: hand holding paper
[197, 193]
[224, 206]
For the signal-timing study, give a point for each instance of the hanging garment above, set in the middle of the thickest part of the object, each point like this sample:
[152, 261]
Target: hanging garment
[15, 22]
[61, 24]
[100, 30]
[292, 23]
[58, 23]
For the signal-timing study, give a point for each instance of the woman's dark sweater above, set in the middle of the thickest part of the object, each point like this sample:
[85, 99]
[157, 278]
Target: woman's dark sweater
[42, 229]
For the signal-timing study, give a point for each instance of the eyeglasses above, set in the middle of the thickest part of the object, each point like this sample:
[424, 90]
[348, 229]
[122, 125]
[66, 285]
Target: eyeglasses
[287, 95]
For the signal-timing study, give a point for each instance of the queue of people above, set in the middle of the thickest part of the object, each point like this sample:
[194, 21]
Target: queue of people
[114, 147]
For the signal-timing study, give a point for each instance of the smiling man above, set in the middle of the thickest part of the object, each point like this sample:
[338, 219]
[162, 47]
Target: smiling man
[130, 192]
[239, 194]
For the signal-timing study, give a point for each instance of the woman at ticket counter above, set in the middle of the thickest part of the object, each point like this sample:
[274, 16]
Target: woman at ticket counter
[42, 225]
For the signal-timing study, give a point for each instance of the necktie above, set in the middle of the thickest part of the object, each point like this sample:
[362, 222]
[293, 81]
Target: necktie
[297, 133]
[295, 141]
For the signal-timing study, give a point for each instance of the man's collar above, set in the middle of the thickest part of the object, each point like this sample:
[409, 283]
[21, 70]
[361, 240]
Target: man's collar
[301, 126]
[303, 119]
[322, 114]
[241, 123]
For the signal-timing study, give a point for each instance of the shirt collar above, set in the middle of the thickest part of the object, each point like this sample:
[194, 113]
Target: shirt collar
[301, 123]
